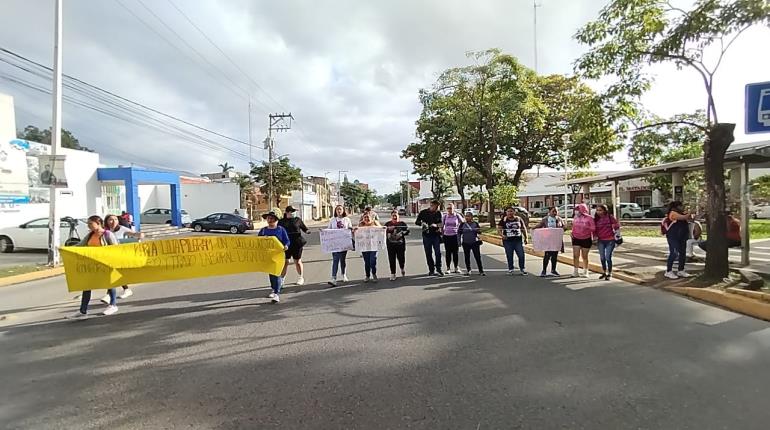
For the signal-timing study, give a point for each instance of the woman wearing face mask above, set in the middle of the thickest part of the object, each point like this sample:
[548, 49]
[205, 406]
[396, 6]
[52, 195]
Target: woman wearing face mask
[340, 221]
[370, 257]
[112, 223]
[606, 227]
[451, 222]
[583, 228]
[294, 227]
[97, 236]
[553, 220]
[396, 243]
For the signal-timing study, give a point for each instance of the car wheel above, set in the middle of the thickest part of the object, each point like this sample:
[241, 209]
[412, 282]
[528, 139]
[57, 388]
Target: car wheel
[754, 216]
[198, 228]
[6, 244]
[626, 216]
[234, 230]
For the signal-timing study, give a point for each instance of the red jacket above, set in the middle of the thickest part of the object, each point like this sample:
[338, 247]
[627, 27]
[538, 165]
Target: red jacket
[605, 227]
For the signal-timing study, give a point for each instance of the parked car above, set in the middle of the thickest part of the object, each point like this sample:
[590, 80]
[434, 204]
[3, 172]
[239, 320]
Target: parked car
[540, 212]
[630, 210]
[570, 211]
[223, 221]
[34, 234]
[655, 212]
[163, 216]
[760, 212]
[473, 211]
[401, 211]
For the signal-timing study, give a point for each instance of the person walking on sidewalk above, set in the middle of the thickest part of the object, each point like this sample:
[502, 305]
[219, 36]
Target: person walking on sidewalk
[513, 230]
[430, 221]
[450, 222]
[294, 227]
[696, 230]
[340, 221]
[275, 230]
[112, 223]
[396, 230]
[607, 227]
[553, 220]
[583, 228]
[468, 234]
[97, 236]
[370, 257]
[677, 231]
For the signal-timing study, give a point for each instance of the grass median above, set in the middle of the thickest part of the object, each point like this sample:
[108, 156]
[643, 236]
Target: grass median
[20, 270]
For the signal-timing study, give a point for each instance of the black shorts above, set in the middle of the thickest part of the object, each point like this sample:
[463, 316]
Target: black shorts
[294, 252]
[583, 243]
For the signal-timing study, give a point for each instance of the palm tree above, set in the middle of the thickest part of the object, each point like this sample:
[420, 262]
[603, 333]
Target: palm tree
[226, 167]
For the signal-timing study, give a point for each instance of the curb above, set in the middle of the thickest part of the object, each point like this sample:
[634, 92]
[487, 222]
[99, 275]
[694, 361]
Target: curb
[593, 267]
[31, 276]
[730, 300]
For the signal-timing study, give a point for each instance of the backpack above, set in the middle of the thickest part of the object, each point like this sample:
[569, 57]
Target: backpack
[665, 226]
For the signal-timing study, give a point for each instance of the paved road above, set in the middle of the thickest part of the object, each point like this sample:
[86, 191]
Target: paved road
[24, 258]
[452, 353]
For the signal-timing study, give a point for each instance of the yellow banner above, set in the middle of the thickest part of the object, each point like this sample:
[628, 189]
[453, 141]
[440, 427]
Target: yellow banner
[94, 268]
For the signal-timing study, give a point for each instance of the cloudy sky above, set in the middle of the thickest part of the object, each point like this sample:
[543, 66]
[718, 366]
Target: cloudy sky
[348, 70]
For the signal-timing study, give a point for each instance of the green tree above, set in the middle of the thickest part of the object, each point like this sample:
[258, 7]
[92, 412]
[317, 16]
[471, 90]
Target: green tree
[352, 194]
[760, 189]
[34, 134]
[246, 187]
[629, 35]
[394, 199]
[285, 177]
[226, 167]
[504, 195]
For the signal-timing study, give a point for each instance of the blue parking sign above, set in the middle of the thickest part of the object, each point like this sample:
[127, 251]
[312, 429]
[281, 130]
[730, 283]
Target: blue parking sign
[758, 108]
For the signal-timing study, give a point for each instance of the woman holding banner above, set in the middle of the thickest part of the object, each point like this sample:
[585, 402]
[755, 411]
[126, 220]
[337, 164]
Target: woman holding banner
[112, 223]
[97, 236]
[370, 257]
[275, 230]
[553, 220]
[340, 221]
[396, 230]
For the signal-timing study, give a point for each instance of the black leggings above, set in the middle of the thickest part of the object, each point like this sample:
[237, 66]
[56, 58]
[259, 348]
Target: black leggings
[452, 248]
[551, 256]
[396, 251]
[476, 249]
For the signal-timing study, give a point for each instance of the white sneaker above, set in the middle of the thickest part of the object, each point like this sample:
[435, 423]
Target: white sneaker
[345, 278]
[575, 273]
[300, 281]
[276, 298]
[105, 299]
[469, 272]
[271, 295]
[78, 316]
[510, 272]
[586, 274]
[333, 282]
[457, 270]
[110, 310]
[671, 275]
[126, 293]
[392, 277]
[683, 274]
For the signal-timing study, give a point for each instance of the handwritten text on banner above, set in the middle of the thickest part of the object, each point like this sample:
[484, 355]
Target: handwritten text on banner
[336, 240]
[370, 239]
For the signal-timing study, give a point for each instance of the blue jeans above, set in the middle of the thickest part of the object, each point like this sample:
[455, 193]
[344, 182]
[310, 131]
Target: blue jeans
[606, 248]
[370, 263]
[511, 246]
[86, 297]
[677, 248]
[276, 283]
[432, 245]
[338, 261]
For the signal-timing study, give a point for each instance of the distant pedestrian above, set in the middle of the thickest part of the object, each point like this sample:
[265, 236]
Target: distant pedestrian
[696, 232]
[396, 243]
[430, 221]
[126, 220]
[607, 227]
[96, 236]
[675, 227]
[450, 222]
[294, 226]
[513, 230]
[552, 220]
[370, 257]
[111, 223]
[583, 228]
[372, 214]
[275, 230]
[469, 236]
[340, 221]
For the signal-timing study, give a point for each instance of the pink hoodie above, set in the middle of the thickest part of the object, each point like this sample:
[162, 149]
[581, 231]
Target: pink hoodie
[583, 225]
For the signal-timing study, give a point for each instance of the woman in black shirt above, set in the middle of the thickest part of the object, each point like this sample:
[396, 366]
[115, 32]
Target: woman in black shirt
[396, 230]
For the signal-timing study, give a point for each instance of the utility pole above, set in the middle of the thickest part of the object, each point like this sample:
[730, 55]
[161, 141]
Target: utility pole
[328, 197]
[566, 139]
[54, 232]
[250, 158]
[339, 185]
[277, 122]
[534, 8]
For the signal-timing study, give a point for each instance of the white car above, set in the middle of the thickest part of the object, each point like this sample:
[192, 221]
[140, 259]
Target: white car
[34, 234]
[163, 216]
[473, 211]
[760, 212]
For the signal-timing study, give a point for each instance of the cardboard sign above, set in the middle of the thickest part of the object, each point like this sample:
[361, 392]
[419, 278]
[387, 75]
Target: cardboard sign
[548, 239]
[370, 239]
[336, 240]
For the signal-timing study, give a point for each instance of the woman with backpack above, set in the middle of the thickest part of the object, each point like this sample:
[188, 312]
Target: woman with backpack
[97, 236]
[677, 230]
[583, 228]
[451, 222]
[607, 227]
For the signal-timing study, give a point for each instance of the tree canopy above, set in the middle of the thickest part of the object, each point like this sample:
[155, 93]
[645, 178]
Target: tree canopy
[286, 177]
[34, 134]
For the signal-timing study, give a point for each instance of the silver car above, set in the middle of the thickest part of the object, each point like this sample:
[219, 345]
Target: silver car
[163, 216]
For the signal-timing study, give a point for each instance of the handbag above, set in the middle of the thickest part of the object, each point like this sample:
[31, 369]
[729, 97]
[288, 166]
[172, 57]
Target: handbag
[618, 238]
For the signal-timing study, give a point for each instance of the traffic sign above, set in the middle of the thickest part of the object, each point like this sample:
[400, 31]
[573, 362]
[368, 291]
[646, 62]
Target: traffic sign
[758, 108]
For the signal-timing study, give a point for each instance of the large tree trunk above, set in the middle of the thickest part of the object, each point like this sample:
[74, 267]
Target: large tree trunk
[517, 175]
[490, 204]
[718, 138]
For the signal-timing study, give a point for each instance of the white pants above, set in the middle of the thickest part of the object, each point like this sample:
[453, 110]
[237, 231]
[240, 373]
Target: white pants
[691, 243]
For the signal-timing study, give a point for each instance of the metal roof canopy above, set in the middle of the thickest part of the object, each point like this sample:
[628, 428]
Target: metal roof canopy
[756, 154]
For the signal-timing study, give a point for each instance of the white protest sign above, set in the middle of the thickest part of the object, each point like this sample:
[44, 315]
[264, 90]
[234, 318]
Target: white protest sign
[370, 239]
[336, 240]
[547, 239]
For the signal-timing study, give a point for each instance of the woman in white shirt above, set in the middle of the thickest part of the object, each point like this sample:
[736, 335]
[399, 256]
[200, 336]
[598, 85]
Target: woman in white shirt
[339, 221]
[112, 223]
